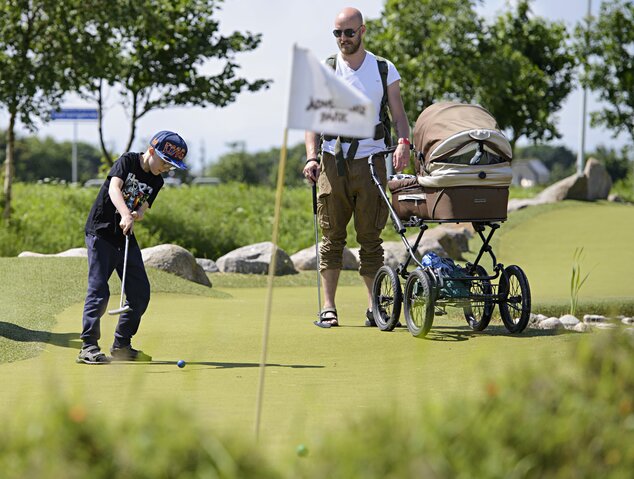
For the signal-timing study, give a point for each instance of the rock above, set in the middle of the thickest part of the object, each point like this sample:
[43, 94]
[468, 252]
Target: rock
[535, 319]
[574, 187]
[306, 259]
[626, 320]
[255, 259]
[551, 324]
[599, 180]
[594, 318]
[176, 260]
[604, 325]
[569, 321]
[582, 328]
[454, 241]
[395, 251]
[69, 253]
[208, 265]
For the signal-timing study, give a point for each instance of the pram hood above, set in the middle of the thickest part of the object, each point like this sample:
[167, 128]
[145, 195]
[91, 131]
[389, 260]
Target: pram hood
[448, 129]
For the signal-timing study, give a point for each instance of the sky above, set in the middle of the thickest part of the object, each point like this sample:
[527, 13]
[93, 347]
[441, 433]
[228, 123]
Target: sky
[258, 119]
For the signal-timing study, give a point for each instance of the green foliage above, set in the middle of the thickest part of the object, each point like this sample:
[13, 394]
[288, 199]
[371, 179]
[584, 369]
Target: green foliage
[576, 282]
[151, 51]
[606, 47]
[526, 73]
[434, 45]
[68, 439]
[542, 421]
[260, 168]
[36, 159]
[618, 163]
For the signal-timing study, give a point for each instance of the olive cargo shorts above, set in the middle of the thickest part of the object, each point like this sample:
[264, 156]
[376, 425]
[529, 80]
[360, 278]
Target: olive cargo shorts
[341, 197]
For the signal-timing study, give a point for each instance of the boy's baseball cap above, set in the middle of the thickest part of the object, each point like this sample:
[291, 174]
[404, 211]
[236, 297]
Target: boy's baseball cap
[170, 147]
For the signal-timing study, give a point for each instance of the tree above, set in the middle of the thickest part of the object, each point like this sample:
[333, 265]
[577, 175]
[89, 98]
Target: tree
[260, 168]
[33, 73]
[434, 45]
[525, 74]
[607, 51]
[156, 54]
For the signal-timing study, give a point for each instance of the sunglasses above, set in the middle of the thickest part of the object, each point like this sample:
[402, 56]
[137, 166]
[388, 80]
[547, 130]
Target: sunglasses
[348, 32]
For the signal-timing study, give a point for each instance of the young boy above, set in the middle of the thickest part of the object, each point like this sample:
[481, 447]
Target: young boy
[131, 187]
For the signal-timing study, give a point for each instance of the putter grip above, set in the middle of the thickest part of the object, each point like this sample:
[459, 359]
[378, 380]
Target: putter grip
[314, 198]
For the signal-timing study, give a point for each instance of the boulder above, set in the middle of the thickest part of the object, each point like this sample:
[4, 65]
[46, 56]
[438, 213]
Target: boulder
[574, 187]
[306, 259]
[69, 253]
[208, 265]
[395, 251]
[176, 260]
[255, 259]
[599, 180]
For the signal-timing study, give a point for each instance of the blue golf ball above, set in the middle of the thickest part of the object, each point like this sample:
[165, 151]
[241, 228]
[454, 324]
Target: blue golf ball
[181, 364]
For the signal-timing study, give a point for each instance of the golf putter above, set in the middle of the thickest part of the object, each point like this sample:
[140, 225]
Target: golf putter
[318, 322]
[123, 309]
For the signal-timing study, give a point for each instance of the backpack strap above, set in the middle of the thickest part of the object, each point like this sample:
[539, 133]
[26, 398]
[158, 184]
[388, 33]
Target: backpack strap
[385, 123]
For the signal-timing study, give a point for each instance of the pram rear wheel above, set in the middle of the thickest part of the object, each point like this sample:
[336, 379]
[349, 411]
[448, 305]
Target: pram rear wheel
[480, 308]
[418, 303]
[387, 298]
[515, 307]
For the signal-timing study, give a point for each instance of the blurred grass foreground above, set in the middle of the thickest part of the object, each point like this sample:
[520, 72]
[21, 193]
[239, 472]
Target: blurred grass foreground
[548, 421]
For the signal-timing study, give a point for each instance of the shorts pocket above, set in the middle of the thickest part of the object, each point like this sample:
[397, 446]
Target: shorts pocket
[381, 213]
[323, 200]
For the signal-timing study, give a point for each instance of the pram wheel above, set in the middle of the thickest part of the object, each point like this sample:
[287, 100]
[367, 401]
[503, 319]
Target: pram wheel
[480, 309]
[386, 298]
[418, 303]
[515, 306]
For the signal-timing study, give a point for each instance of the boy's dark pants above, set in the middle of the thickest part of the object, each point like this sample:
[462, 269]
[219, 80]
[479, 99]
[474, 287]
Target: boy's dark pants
[103, 259]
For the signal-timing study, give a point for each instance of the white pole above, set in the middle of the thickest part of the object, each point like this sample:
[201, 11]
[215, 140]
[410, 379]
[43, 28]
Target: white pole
[74, 154]
[584, 94]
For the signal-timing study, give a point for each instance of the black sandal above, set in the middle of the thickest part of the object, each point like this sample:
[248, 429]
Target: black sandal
[327, 318]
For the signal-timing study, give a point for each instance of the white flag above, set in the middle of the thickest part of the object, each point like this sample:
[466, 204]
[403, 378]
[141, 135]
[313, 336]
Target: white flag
[322, 102]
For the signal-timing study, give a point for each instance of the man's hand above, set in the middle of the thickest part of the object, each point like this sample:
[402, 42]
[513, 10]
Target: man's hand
[400, 158]
[311, 171]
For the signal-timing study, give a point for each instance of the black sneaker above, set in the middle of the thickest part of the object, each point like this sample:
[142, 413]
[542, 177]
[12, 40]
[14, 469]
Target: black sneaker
[370, 322]
[91, 354]
[128, 353]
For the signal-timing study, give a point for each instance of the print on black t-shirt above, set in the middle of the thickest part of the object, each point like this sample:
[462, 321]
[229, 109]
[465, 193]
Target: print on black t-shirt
[134, 192]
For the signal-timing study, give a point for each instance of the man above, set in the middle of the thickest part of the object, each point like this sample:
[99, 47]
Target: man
[343, 176]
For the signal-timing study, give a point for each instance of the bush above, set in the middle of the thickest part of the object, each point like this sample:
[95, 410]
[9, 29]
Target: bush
[69, 440]
[555, 421]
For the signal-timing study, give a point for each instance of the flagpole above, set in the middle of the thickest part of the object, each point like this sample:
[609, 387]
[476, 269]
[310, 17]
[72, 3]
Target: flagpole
[269, 296]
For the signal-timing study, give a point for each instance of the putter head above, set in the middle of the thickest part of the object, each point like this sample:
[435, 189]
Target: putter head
[124, 309]
[322, 324]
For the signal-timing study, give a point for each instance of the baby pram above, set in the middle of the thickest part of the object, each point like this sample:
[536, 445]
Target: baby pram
[463, 175]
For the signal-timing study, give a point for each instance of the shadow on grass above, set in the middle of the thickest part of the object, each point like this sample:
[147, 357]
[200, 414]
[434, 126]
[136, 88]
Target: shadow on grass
[18, 333]
[219, 364]
[452, 333]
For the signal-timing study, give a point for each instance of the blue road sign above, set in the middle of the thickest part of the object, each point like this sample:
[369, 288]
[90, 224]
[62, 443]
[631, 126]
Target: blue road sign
[75, 114]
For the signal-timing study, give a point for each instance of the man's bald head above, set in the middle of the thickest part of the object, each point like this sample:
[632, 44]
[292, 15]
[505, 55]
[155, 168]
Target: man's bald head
[349, 15]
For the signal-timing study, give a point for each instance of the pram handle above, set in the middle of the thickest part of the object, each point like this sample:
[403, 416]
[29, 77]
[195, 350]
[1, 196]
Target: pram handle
[398, 225]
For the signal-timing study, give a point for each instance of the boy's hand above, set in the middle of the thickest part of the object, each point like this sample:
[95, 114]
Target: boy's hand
[127, 224]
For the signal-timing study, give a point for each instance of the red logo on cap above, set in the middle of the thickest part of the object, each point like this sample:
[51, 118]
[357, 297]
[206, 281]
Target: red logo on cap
[174, 151]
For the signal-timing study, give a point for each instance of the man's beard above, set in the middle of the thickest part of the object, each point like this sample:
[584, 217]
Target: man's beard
[350, 48]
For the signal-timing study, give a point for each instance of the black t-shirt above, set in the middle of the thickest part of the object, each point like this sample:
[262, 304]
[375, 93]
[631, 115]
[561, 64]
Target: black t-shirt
[138, 187]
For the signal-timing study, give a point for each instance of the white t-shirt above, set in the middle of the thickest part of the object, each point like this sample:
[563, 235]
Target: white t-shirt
[366, 79]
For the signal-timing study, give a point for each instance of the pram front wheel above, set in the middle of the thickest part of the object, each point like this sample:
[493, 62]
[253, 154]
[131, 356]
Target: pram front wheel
[515, 306]
[418, 303]
[480, 308]
[387, 298]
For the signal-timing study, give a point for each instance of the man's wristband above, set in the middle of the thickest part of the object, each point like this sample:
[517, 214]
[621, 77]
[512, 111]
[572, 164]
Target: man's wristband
[403, 141]
[312, 159]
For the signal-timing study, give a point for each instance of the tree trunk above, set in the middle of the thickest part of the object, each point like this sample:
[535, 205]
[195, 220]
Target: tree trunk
[104, 150]
[8, 163]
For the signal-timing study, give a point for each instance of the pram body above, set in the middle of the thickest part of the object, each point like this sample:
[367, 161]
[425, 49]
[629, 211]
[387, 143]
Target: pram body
[463, 175]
